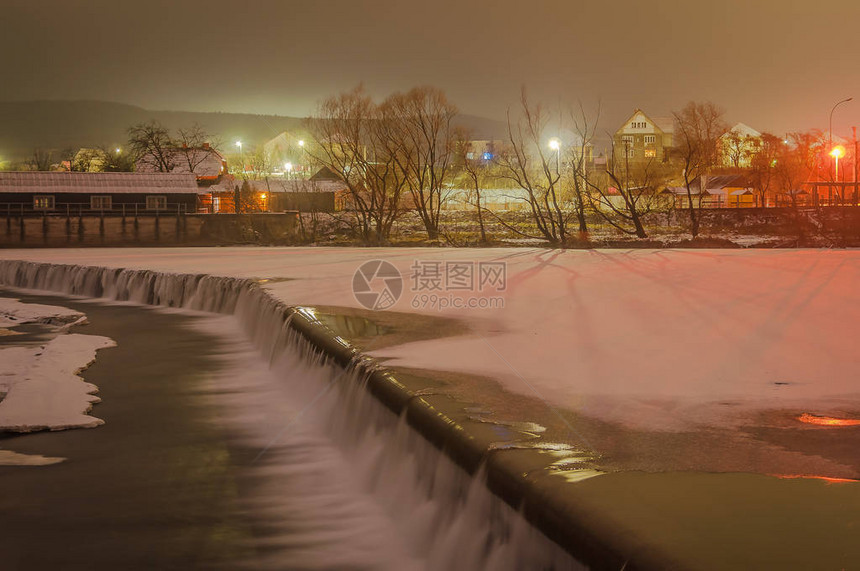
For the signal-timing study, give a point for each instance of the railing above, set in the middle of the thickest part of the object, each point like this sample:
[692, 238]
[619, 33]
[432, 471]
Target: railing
[86, 209]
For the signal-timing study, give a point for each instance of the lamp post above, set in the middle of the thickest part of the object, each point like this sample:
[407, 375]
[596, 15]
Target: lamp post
[830, 124]
[304, 162]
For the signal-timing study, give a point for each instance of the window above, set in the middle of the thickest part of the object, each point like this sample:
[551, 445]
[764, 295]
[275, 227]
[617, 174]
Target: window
[627, 140]
[43, 202]
[631, 153]
[650, 153]
[470, 155]
[156, 202]
[650, 138]
[216, 204]
[639, 125]
[100, 202]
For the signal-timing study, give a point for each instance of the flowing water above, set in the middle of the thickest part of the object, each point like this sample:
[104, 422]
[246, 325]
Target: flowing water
[339, 481]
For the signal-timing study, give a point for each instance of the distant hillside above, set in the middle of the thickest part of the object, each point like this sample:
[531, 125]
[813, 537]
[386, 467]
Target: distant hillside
[60, 125]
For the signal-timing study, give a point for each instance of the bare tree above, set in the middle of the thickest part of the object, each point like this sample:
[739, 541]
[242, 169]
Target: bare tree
[737, 149]
[795, 163]
[193, 146]
[699, 128]
[578, 159]
[41, 159]
[421, 126]
[527, 163]
[353, 138]
[629, 191]
[474, 171]
[763, 164]
[151, 145]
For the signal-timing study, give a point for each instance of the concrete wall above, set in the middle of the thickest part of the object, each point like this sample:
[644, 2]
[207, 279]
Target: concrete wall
[202, 229]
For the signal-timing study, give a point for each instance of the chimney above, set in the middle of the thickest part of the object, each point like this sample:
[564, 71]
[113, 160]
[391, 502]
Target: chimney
[206, 146]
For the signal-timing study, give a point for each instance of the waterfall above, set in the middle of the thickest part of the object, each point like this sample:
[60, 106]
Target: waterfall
[454, 521]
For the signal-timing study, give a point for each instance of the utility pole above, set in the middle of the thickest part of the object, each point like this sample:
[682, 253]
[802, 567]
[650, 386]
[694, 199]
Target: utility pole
[854, 136]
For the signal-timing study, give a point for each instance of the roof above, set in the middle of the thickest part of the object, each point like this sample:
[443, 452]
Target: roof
[279, 185]
[665, 124]
[325, 173]
[743, 130]
[97, 182]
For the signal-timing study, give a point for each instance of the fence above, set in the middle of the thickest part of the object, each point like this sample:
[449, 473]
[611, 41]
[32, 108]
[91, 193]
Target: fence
[115, 228]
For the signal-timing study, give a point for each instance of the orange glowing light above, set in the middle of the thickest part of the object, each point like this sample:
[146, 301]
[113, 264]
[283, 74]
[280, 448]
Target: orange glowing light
[827, 420]
[263, 196]
[827, 479]
[838, 152]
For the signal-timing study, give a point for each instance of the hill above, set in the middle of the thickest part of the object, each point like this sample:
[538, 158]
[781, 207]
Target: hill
[59, 125]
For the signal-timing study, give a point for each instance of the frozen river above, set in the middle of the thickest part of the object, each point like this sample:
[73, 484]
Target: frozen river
[715, 389]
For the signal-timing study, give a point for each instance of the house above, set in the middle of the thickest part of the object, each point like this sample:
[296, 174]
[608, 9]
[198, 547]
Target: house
[483, 149]
[323, 192]
[287, 151]
[722, 191]
[205, 162]
[97, 192]
[738, 146]
[643, 139]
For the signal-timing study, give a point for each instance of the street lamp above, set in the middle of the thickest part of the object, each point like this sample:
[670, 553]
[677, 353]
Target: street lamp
[830, 126]
[837, 153]
[241, 156]
[555, 145]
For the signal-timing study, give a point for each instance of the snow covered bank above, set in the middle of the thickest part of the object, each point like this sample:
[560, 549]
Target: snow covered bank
[40, 386]
[14, 313]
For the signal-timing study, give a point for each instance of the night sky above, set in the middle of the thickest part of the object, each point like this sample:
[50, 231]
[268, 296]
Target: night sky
[774, 64]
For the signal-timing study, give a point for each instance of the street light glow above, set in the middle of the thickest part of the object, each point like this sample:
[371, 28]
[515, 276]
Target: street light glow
[301, 143]
[838, 152]
[239, 144]
[554, 144]
[288, 167]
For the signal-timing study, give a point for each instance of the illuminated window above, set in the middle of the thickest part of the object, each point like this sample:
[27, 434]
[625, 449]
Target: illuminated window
[100, 202]
[156, 202]
[487, 156]
[650, 153]
[43, 202]
[470, 155]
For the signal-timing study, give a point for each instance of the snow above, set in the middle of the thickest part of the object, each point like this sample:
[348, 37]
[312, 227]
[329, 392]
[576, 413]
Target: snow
[13, 313]
[664, 340]
[9, 458]
[40, 386]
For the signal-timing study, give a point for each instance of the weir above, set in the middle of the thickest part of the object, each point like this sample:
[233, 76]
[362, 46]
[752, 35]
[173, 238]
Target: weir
[464, 510]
